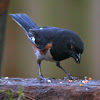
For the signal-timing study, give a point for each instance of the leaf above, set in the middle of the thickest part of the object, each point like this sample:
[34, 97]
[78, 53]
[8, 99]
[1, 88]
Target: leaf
[20, 93]
[11, 98]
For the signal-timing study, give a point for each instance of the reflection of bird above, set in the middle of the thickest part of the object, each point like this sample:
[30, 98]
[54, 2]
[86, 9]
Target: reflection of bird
[51, 43]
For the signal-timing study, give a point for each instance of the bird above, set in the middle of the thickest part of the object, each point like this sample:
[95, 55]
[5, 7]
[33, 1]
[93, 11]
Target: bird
[51, 43]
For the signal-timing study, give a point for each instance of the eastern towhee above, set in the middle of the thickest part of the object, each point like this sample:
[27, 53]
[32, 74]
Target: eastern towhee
[51, 43]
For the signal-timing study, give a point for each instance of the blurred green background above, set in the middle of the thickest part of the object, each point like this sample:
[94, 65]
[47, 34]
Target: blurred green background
[80, 16]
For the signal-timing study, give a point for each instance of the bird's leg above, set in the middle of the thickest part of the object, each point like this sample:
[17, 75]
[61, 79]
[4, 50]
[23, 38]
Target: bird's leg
[68, 74]
[40, 74]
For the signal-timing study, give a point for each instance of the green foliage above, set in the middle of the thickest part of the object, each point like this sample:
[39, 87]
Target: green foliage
[1, 91]
[20, 93]
[20, 97]
[10, 95]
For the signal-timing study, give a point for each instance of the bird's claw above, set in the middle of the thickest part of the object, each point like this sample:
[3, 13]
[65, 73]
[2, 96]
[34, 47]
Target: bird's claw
[42, 79]
[70, 77]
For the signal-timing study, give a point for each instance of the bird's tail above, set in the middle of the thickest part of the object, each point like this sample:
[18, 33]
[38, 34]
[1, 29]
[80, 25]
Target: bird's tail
[24, 21]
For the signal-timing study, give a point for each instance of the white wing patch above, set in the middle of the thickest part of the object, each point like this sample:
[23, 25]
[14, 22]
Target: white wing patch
[33, 39]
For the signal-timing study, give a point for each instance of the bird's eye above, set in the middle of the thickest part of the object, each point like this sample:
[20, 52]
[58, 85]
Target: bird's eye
[72, 47]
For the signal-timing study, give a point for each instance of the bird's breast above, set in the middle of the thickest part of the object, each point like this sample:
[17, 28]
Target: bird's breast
[43, 54]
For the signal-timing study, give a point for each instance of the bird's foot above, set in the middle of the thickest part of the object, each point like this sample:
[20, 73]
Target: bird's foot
[47, 80]
[70, 77]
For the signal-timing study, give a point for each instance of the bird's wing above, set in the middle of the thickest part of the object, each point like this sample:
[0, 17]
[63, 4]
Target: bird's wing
[42, 37]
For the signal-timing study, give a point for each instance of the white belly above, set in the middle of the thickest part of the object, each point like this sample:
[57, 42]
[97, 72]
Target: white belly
[47, 56]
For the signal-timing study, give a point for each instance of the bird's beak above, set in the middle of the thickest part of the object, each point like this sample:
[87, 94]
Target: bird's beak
[77, 58]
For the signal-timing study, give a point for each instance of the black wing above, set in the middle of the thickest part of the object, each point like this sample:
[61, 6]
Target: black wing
[43, 36]
[40, 36]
